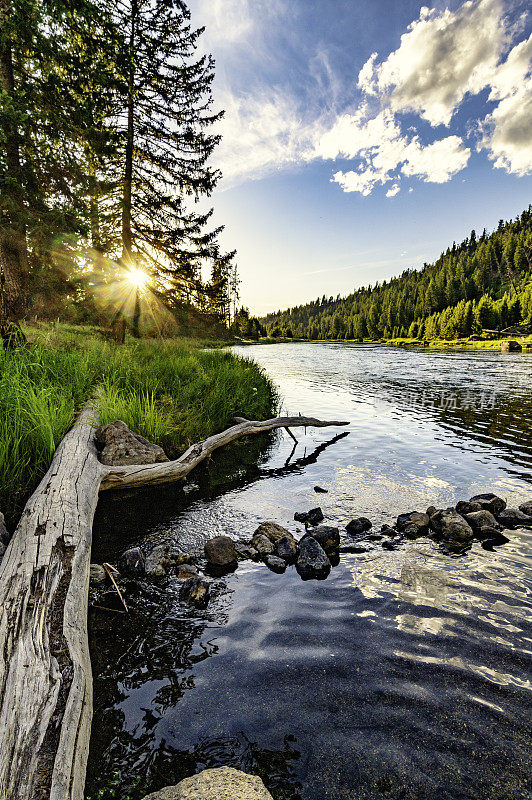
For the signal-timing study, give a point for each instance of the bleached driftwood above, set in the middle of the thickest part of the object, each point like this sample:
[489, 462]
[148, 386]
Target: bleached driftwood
[45, 673]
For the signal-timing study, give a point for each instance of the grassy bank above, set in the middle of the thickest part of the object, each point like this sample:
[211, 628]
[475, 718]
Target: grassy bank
[173, 392]
[471, 344]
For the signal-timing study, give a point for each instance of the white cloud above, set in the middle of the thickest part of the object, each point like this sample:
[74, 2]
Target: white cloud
[507, 132]
[393, 190]
[442, 56]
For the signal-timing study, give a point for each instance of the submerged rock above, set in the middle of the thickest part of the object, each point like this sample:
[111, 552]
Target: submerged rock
[272, 531]
[158, 561]
[526, 508]
[220, 551]
[222, 783]
[275, 563]
[451, 525]
[358, 525]
[97, 574]
[489, 501]
[514, 518]
[312, 561]
[312, 517]
[195, 591]
[132, 563]
[119, 446]
[287, 548]
[262, 545]
[327, 536]
[320, 490]
[185, 571]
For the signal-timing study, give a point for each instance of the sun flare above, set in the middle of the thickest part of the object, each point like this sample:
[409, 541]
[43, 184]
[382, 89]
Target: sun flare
[137, 278]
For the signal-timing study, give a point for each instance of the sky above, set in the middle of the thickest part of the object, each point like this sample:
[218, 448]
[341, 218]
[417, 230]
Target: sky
[362, 137]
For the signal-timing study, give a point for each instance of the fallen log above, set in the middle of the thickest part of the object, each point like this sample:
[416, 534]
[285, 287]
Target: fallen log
[45, 673]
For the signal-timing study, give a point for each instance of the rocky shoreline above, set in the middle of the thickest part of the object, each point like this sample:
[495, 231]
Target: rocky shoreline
[485, 518]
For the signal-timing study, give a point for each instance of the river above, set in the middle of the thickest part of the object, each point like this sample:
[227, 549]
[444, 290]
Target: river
[404, 674]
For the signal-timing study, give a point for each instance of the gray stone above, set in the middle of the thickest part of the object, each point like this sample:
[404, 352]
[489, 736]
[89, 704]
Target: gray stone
[247, 552]
[312, 517]
[158, 561]
[195, 592]
[272, 531]
[451, 525]
[467, 507]
[312, 561]
[327, 536]
[526, 508]
[489, 501]
[413, 518]
[286, 548]
[275, 563]
[358, 525]
[514, 518]
[97, 574]
[132, 563]
[487, 532]
[481, 519]
[220, 551]
[223, 783]
[119, 446]
[262, 544]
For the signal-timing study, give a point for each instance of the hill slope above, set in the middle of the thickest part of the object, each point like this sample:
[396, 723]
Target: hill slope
[484, 282]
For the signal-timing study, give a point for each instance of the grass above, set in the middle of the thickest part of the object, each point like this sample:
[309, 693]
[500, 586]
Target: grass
[173, 392]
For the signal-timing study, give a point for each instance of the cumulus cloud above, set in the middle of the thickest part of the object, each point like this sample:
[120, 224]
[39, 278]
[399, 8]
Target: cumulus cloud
[393, 190]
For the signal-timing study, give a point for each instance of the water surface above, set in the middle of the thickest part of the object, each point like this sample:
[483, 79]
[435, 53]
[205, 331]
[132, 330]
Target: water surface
[405, 674]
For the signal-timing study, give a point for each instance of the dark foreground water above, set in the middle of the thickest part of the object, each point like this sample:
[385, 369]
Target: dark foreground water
[405, 674]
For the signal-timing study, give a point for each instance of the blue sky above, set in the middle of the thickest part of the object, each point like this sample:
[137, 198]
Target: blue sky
[363, 137]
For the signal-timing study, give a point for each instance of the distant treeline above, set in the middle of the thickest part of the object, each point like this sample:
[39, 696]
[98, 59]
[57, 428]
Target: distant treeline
[482, 283]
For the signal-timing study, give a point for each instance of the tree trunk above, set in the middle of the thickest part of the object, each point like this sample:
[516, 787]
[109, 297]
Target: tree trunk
[45, 674]
[127, 236]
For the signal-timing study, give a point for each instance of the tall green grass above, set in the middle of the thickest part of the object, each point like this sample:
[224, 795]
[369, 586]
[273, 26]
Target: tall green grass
[172, 392]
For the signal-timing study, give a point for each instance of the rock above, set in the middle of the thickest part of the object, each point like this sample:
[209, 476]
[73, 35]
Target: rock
[511, 347]
[286, 548]
[247, 552]
[183, 558]
[119, 446]
[489, 501]
[389, 531]
[195, 591]
[413, 520]
[158, 561]
[487, 532]
[311, 517]
[526, 508]
[514, 518]
[358, 525]
[414, 531]
[275, 563]
[4, 533]
[262, 545]
[97, 574]
[451, 525]
[312, 561]
[389, 544]
[132, 563]
[223, 783]
[320, 490]
[327, 536]
[272, 531]
[185, 571]
[432, 510]
[220, 551]
[467, 507]
[481, 519]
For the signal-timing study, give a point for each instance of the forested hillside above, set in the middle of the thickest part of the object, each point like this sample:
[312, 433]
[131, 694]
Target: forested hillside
[482, 283]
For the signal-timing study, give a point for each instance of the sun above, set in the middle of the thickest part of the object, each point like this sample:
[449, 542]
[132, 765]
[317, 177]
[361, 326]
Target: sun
[137, 278]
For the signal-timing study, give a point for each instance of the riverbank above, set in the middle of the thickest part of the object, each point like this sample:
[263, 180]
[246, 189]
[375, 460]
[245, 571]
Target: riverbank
[470, 343]
[173, 392]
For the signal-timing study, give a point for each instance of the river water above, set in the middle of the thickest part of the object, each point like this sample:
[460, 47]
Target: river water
[404, 674]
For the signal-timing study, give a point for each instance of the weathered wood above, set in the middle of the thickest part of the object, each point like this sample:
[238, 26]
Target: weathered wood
[152, 474]
[45, 674]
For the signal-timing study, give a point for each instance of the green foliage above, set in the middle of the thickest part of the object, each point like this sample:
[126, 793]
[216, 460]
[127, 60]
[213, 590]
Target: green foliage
[483, 283]
[172, 392]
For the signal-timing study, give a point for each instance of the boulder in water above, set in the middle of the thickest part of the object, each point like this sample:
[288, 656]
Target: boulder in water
[272, 531]
[514, 518]
[195, 592]
[526, 508]
[481, 519]
[286, 548]
[220, 551]
[489, 501]
[327, 536]
[222, 783]
[312, 561]
[312, 517]
[451, 525]
[467, 507]
[416, 523]
[132, 563]
[262, 545]
[275, 563]
[358, 525]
